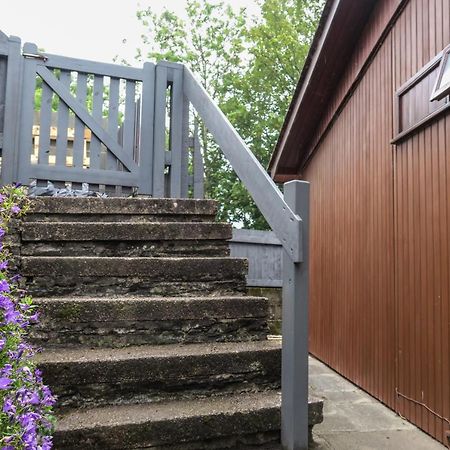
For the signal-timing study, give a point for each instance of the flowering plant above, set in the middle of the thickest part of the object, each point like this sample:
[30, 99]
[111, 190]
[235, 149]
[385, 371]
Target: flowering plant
[26, 419]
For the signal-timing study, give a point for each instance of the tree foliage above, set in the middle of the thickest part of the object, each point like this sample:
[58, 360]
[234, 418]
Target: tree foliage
[250, 67]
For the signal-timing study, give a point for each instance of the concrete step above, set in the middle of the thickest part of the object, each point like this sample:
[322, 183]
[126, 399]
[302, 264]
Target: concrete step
[121, 209]
[141, 239]
[125, 321]
[52, 275]
[82, 377]
[232, 422]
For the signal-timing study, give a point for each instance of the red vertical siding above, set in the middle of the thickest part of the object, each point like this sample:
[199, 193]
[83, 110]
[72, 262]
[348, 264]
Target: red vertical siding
[422, 221]
[380, 229]
[352, 265]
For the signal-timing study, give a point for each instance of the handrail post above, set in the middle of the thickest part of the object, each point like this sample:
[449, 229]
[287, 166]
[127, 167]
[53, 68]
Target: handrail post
[294, 379]
[11, 128]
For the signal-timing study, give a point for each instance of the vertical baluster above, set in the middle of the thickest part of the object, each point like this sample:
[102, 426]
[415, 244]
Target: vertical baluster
[97, 114]
[159, 156]
[63, 123]
[146, 130]
[176, 132]
[78, 140]
[137, 132]
[185, 151]
[128, 123]
[199, 170]
[26, 116]
[113, 120]
[45, 124]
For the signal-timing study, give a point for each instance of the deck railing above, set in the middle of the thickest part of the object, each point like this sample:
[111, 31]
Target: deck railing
[141, 139]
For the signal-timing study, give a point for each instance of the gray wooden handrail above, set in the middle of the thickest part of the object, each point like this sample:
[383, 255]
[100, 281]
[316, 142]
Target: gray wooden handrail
[284, 222]
[284, 214]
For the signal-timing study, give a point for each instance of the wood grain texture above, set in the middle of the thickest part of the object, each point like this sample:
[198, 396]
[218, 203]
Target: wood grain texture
[380, 224]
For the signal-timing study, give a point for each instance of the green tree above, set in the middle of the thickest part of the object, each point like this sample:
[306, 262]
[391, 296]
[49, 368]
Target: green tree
[249, 67]
[212, 42]
[279, 44]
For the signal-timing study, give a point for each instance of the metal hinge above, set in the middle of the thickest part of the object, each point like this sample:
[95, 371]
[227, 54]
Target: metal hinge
[35, 56]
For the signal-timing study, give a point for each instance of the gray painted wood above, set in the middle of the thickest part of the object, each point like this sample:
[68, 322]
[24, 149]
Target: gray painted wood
[199, 170]
[12, 114]
[128, 122]
[113, 120]
[265, 193]
[87, 119]
[63, 121]
[97, 114]
[45, 122]
[176, 133]
[294, 366]
[159, 147]
[4, 48]
[146, 131]
[26, 117]
[137, 132]
[3, 69]
[185, 151]
[93, 67]
[4, 44]
[263, 251]
[96, 176]
[78, 140]
[257, 237]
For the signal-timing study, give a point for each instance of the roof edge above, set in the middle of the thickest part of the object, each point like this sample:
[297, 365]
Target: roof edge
[325, 22]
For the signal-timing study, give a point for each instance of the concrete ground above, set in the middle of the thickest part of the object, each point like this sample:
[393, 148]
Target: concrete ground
[355, 420]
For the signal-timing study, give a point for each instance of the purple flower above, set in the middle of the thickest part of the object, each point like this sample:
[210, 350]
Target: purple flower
[6, 370]
[4, 286]
[28, 402]
[12, 317]
[9, 407]
[6, 303]
[47, 443]
[38, 375]
[5, 383]
[48, 399]
[15, 278]
[34, 317]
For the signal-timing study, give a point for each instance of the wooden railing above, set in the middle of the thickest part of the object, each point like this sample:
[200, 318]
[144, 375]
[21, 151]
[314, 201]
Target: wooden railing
[288, 216]
[143, 139]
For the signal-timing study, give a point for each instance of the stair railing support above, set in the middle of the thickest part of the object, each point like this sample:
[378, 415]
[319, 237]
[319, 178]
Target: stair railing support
[288, 216]
[294, 371]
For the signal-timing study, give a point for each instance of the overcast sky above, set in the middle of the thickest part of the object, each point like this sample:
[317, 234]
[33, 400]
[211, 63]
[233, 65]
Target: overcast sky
[90, 29]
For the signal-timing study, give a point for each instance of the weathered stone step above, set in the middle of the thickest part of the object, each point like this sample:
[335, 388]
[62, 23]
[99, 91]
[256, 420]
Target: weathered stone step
[121, 209]
[141, 239]
[154, 373]
[231, 422]
[105, 276]
[124, 321]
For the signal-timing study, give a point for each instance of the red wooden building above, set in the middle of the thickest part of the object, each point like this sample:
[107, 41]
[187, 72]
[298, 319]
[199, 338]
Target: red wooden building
[369, 127]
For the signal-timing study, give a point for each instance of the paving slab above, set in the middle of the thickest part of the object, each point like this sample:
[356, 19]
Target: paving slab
[355, 420]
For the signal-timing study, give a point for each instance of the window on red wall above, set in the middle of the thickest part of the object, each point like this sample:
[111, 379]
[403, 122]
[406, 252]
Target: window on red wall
[442, 86]
[424, 97]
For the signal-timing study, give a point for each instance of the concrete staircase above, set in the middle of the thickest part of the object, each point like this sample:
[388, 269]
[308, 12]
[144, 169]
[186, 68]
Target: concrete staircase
[150, 341]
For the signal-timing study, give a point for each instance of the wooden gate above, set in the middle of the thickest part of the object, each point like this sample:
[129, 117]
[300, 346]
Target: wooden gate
[105, 145]
[120, 129]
